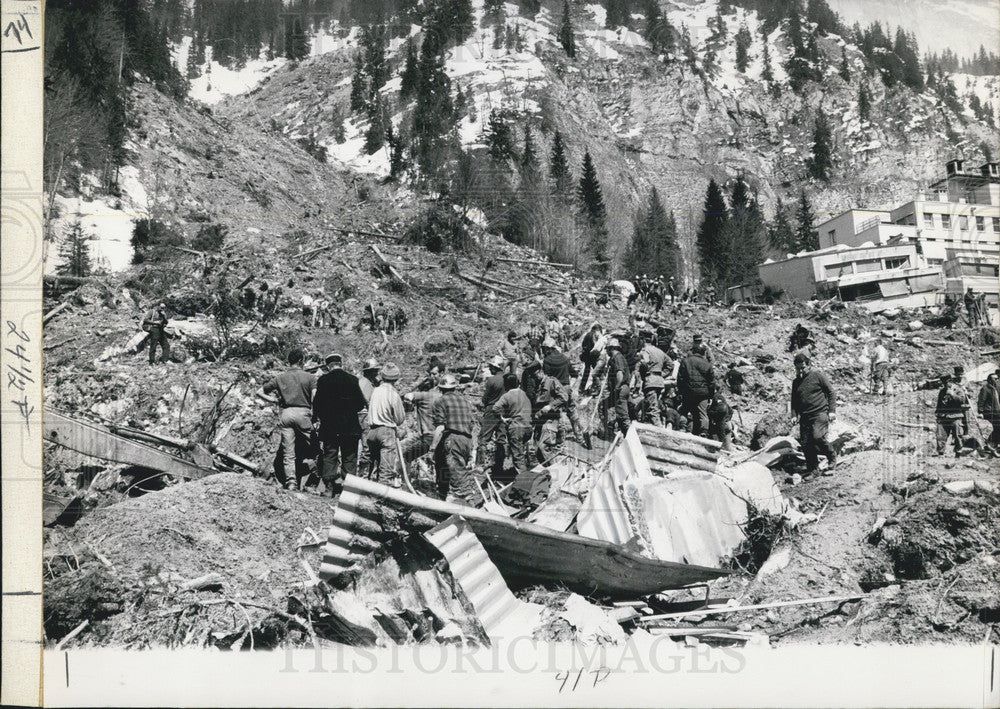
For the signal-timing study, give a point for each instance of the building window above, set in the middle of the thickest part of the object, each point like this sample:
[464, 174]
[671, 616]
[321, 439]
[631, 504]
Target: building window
[980, 223]
[996, 225]
[946, 221]
[963, 223]
[897, 262]
[867, 266]
[833, 236]
[928, 220]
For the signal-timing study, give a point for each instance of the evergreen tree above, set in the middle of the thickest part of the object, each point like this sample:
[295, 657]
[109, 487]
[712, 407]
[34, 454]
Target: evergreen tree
[654, 247]
[845, 67]
[74, 253]
[821, 163]
[337, 124]
[687, 48]
[566, 36]
[617, 14]
[559, 166]
[658, 31]
[595, 217]
[359, 85]
[718, 25]
[744, 235]
[409, 78]
[373, 43]
[767, 71]
[806, 236]
[864, 102]
[500, 137]
[397, 154]
[797, 66]
[711, 235]
[493, 11]
[529, 156]
[905, 48]
[378, 124]
[743, 42]
[296, 40]
[432, 116]
[781, 235]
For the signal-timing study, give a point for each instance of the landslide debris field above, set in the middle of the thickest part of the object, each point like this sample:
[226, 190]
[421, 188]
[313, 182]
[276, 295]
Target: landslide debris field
[228, 560]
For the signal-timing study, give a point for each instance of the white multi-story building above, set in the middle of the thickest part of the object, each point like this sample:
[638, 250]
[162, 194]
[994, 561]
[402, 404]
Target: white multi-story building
[954, 226]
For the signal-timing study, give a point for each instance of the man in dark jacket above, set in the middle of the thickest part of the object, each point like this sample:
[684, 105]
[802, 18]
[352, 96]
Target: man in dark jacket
[952, 412]
[556, 364]
[155, 323]
[696, 384]
[815, 403]
[619, 384]
[589, 353]
[988, 405]
[489, 427]
[336, 405]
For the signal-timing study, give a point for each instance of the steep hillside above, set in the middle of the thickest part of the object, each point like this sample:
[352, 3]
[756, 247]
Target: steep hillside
[653, 120]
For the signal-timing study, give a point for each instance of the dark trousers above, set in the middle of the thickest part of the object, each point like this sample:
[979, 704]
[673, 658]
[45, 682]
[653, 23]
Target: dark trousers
[696, 407]
[950, 428]
[812, 436]
[451, 461]
[518, 438]
[340, 455]
[158, 336]
[589, 360]
[994, 438]
[619, 402]
[488, 430]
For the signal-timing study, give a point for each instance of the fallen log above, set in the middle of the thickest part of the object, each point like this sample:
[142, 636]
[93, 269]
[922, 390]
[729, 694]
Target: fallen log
[529, 295]
[392, 269]
[757, 606]
[313, 252]
[484, 284]
[55, 311]
[97, 441]
[679, 441]
[675, 459]
[375, 234]
[535, 262]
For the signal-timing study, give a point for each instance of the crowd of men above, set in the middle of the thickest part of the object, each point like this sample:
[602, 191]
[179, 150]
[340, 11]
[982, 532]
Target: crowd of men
[529, 407]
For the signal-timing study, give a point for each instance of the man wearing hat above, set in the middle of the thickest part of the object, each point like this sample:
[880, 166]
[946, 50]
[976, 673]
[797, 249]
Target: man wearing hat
[509, 352]
[386, 416]
[952, 412]
[367, 381]
[988, 405]
[815, 403]
[336, 406]
[418, 441]
[492, 391]
[697, 340]
[590, 351]
[696, 385]
[652, 361]
[556, 364]
[619, 383]
[155, 323]
[452, 417]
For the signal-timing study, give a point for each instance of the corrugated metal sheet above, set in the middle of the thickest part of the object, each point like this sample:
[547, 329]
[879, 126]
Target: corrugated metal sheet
[499, 611]
[693, 519]
[348, 520]
[525, 554]
[604, 514]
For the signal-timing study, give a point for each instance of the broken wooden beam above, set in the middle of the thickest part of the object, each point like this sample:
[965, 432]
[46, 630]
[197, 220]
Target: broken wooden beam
[361, 232]
[55, 311]
[313, 252]
[97, 441]
[484, 284]
[679, 459]
[385, 262]
[757, 606]
[530, 295]
[535, 262]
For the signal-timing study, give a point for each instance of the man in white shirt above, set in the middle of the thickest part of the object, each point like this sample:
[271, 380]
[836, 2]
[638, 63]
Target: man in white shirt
[386, 416]
[880, 368]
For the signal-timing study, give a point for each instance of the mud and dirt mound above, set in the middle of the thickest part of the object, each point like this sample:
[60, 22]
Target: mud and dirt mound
[133, 562]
